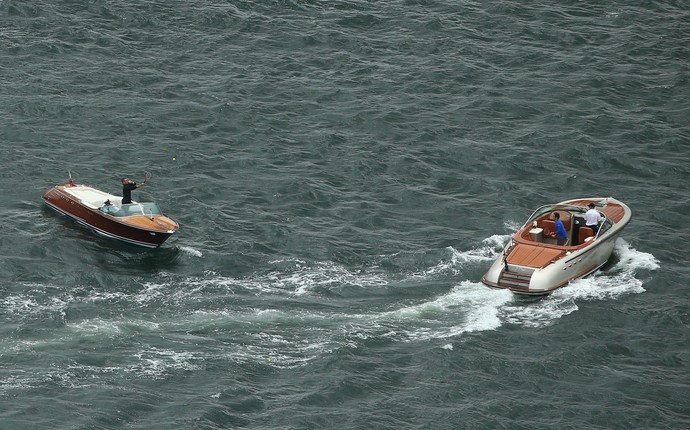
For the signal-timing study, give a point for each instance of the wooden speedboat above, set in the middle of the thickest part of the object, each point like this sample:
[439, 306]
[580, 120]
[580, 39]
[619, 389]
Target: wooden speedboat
[138, 223]
[532, 263]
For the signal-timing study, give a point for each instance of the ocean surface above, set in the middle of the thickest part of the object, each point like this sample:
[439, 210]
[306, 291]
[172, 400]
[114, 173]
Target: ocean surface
[344, 172]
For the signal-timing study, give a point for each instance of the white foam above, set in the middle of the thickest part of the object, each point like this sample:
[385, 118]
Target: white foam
[497, 241]
[19, 380]
[629, 259]
[618, 280]
[613, 283]
[295, 261]
[33, 304]
[305, 279]
[513, 226]
[487, 251]
[96, 326]
[152, 291]
[468, 307]
[484, 309]
[106, 296]
[297, 279]
[191, 251]
[20, 304]
[537, 314]
[157, 363]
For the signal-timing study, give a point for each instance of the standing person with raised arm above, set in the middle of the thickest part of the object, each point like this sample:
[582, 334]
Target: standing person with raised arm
[128, 186]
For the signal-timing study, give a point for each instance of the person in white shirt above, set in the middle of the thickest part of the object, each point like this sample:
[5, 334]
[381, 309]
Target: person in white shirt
[593, 218]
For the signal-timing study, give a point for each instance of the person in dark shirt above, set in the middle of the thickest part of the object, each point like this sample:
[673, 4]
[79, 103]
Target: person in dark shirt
[127, 187]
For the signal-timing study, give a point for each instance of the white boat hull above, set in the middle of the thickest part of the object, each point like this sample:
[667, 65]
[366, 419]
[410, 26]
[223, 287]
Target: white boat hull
[535, 268]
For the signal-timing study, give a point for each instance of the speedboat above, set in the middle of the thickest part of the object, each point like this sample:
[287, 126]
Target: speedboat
[532, 263]
[138, 223]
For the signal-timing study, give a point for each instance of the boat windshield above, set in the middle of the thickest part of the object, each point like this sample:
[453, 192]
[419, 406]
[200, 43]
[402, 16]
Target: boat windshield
[605, 226]
[550, 208]
[133, 209]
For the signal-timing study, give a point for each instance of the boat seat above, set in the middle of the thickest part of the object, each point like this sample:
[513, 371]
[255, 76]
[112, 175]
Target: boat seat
[585, 232]
[549, 227]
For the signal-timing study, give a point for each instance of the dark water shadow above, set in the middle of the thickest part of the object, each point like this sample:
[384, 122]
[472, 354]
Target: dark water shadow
[521, 299]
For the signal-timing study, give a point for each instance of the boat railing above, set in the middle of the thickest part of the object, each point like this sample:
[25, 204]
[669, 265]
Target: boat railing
[506, 253]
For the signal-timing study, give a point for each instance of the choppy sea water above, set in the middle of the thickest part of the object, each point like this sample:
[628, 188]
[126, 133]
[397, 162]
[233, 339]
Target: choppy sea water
[343, 174]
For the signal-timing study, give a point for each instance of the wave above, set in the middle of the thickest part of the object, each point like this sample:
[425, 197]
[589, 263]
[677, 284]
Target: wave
[191, 251]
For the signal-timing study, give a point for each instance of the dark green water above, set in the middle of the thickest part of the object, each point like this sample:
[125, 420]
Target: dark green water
[343, 173]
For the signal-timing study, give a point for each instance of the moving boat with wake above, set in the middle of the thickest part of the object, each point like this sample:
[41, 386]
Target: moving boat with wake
[533, 263]
[141, 224]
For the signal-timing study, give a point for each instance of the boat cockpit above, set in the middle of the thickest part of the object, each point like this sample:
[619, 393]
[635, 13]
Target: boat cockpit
[541, 225]
[131, 209]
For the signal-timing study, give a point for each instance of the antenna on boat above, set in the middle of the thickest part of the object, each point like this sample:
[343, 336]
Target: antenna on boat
[71, 182]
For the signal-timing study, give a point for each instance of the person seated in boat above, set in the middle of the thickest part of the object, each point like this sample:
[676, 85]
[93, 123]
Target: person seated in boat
[561, 232]
[108, 207]
[593, 218]
[127, 187]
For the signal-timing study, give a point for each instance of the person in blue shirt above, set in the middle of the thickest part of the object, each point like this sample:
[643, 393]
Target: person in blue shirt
[561, 233]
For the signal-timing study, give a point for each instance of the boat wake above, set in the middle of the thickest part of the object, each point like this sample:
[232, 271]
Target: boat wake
[486, 252]
[624, 277]
[293, 314]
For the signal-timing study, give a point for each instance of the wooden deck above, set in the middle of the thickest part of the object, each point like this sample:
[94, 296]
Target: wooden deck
[533, 255]
[528, 253]
[159, 222]
[613, 211]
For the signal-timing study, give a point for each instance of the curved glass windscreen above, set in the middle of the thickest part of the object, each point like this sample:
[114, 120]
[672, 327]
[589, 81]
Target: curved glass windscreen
[605, 226]
[132, 209]
[550, 208]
